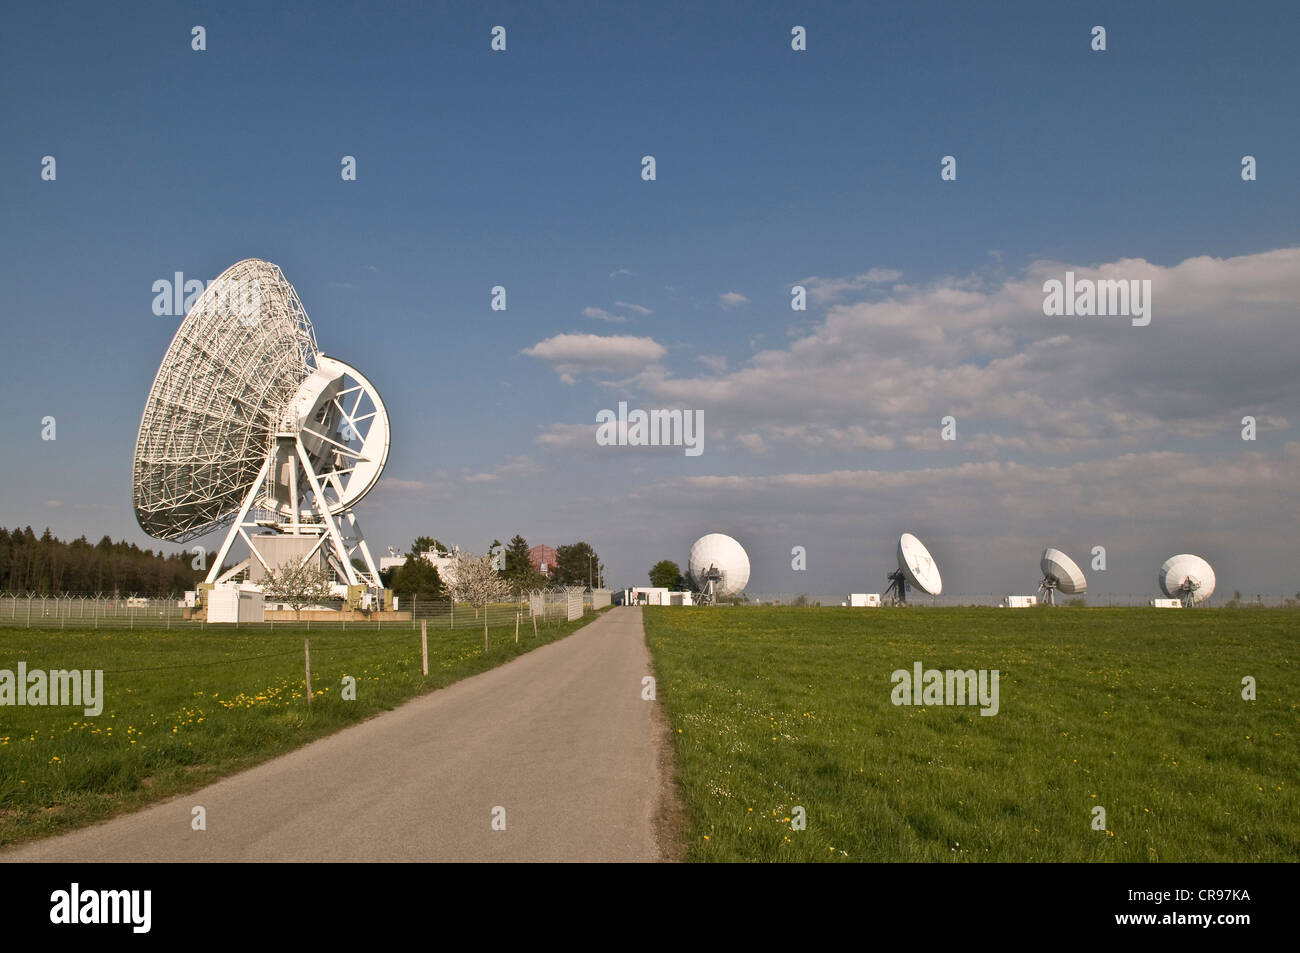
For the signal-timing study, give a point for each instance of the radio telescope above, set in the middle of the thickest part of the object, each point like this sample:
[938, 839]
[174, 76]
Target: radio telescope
[1187, 578]
[249, 425]
[1060, 572]
[916, 567]
[719, 566]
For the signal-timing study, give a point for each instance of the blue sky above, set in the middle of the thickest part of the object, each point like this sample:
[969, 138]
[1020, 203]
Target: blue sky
[522, 169]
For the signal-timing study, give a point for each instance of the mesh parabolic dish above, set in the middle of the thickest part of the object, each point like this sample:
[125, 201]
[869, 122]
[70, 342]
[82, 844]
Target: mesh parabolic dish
[1069, 577]
[236, 360]
[1187, 575]
[724, 553]
[918, 565]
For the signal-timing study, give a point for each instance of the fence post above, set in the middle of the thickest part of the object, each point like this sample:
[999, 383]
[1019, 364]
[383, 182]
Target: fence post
[306, 651]
[516, 627]
[424, 644]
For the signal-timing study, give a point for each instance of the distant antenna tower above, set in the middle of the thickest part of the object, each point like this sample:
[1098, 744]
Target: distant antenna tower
[916, 567]
[1187, 578]
[719, 567]
[710, 582]
[1060, 572]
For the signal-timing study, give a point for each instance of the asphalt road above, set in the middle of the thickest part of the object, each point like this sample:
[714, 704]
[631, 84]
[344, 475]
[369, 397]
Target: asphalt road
[560, 738]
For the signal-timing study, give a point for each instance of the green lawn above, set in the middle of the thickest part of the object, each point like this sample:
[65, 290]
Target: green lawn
[1136, 710]
[184, 708]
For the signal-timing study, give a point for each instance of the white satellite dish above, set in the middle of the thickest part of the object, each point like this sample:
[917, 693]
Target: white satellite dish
[1060, 572]
[247, 424]
[916, 567]
[719, 567]
[1187, 578]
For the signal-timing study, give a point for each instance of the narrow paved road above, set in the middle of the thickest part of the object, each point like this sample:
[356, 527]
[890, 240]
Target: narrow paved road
[560, 738]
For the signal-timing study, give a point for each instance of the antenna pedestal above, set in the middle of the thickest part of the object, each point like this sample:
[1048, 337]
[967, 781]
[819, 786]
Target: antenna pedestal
[308, 531]
[896, 592]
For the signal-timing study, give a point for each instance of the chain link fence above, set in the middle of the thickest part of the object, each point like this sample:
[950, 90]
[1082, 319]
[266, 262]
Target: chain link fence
[93, 611]
[89, 611]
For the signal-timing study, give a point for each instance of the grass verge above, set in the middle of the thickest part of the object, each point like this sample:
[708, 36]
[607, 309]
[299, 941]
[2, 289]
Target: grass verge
[184, 708]
[1138, 711]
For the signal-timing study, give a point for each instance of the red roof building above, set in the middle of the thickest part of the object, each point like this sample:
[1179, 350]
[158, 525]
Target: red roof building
[543, 558]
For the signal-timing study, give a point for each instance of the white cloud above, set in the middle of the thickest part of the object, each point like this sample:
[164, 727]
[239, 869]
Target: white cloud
[516, 466]
[563, 438]
[574, 354]
[392, 483]
[639, 309]
[732, 299]
[825, 290]
[600, 314]
[1220, 345]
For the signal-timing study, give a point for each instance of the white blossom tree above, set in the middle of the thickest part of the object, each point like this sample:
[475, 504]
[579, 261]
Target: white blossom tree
[298, 584]
[477, 582]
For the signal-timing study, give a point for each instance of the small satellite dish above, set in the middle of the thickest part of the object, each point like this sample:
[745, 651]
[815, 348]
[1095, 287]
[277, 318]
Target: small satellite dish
[1187, 578]
[1060, 572]
[719, 566]
[916, 567]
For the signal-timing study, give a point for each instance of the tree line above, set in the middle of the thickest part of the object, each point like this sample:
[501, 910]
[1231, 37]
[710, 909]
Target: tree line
[575, 564]
[49, 566]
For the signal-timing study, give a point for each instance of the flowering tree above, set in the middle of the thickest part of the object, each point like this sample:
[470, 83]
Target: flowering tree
[298, 584]
[476, 581]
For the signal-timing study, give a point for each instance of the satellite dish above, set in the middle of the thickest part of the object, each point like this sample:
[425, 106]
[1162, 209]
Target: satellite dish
[916, 567]
[719, 566]
[248, 425]
[1187, 578]
[1060, 572]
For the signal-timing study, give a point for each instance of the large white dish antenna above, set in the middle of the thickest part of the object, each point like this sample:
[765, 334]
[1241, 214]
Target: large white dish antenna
[916, 567]
[241, 353]
[718, 565]
[247, 423]
[1187, 578]
[1060, 572]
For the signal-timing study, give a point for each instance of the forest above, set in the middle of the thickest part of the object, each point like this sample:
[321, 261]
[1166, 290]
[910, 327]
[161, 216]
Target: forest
[49, 566]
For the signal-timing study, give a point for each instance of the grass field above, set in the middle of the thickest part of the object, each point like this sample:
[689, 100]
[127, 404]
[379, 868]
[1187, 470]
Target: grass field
[184, 708]
[1139, 711]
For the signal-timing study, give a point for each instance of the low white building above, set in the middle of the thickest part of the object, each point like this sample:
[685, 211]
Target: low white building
[864, 599]
[236, 604]
[656, 596]
[1019, 602]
